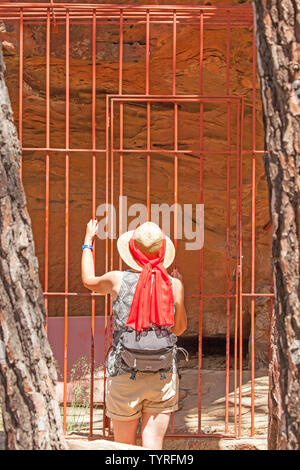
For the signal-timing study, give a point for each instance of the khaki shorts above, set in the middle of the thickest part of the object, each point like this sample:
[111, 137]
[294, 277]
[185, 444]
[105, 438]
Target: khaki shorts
[127, 399]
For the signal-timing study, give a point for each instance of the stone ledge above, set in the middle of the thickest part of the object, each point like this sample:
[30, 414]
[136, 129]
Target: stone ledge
[170, 444]
[245, 443]
[176, 444]
[99, 444]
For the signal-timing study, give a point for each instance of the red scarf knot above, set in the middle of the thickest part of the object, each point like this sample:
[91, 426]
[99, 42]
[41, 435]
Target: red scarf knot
[156, 307]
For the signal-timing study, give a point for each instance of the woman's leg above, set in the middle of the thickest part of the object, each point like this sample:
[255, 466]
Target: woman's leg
[154, 427]
[125, 431]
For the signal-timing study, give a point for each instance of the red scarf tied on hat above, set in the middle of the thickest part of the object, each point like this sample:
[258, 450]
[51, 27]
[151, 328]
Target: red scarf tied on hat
[158, 307]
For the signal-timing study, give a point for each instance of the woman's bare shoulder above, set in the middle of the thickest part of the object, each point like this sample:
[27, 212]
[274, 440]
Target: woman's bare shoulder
[114, 275]
[177, 285]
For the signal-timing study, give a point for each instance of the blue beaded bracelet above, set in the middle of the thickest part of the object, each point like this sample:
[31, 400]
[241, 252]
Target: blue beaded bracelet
[87, 246]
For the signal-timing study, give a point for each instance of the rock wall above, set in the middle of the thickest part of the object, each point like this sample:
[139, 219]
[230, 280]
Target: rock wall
[162, 165]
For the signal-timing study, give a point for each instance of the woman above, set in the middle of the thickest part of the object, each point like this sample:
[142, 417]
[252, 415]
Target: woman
[148, 252]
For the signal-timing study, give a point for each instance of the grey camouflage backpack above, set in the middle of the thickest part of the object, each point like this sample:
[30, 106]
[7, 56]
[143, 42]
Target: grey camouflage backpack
[151, 350]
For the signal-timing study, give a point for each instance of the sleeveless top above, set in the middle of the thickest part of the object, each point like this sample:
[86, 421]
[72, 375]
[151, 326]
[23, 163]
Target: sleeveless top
[121, 308]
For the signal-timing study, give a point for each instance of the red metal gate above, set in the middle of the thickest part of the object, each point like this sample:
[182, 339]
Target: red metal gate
[235, 105]
[218, 18]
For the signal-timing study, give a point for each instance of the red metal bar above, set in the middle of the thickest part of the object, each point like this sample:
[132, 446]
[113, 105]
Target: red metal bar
[165, 17]
[172, 151]
[121, 133]
[175, 137]
[211, 295]
[66, 222]
[177, 98]
[81, 294]
[21, 47]
[111, 120]
[94, 26]
[148, 163]
[201, 38]
[107, 125]
[148, 113]
[34, 17]
[175, 156]
[87, 19]
[186, 295]
[129, 6]
[147, 49]
[47, 195]
[64, 150]
[257, 294]
[106, 252]
[241, 271]
[228, 226]
[237, 272]
[111, 214]
[252, 304]
[111, 185]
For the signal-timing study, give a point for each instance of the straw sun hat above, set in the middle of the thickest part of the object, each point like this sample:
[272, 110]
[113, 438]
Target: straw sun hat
[148, 238]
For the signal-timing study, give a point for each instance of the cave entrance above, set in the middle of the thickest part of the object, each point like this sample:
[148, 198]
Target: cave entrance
[157, 104]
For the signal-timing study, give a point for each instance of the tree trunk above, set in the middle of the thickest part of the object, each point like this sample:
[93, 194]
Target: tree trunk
[31, 414]
[278, 46]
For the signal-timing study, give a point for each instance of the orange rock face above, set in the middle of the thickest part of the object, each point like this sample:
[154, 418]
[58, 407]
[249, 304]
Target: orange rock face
[220, 206]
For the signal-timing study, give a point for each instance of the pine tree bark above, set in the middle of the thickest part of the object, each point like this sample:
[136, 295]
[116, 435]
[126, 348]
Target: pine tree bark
[278, 53]
[31, 414]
